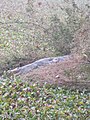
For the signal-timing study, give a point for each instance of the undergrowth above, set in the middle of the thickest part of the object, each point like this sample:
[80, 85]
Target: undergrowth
[22, 101]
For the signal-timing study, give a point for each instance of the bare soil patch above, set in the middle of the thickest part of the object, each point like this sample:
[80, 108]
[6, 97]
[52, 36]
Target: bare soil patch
[61, 73]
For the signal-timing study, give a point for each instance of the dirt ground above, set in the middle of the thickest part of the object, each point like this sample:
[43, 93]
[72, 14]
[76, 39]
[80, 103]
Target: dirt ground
[61, 73]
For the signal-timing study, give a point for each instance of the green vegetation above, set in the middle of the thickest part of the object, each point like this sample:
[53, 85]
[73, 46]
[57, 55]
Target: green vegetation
[31, 33]
[19, 100]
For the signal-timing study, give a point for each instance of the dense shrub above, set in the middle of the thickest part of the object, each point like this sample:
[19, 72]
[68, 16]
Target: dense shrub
[20, 100]
[35, 32]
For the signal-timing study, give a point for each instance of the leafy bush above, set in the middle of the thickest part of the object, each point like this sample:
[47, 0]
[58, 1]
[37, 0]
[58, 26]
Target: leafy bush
[60, 36]
[35, 33]
[61, 32]
[20, 100]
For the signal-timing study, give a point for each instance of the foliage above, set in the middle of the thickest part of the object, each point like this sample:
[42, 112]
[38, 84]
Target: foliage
[60, 36]
[61, 32]
[34, 32]
[28, 33]
[20, 100]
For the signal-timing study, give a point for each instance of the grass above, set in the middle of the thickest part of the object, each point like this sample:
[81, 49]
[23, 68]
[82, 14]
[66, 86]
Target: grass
[21, 101]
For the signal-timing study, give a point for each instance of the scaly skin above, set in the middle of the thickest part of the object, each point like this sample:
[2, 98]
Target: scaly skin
[42, 62]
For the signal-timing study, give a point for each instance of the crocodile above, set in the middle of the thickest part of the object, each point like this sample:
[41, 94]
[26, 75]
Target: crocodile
[41, 62]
